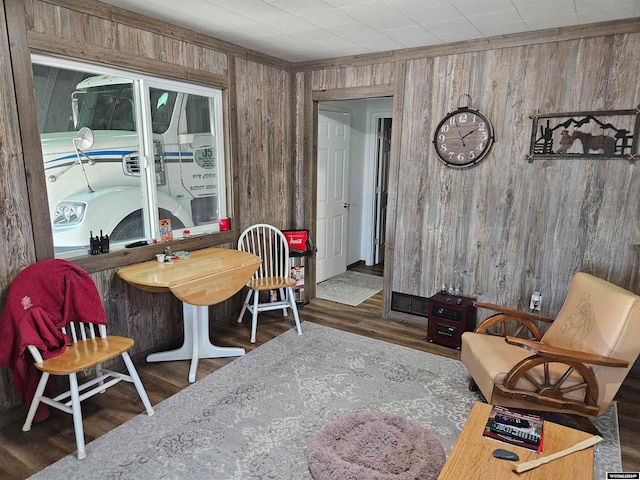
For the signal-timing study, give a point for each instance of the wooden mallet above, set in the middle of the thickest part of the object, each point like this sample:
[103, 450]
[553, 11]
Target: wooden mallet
[523, 467]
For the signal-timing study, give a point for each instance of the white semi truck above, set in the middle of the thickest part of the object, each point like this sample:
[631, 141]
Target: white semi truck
[99, 188]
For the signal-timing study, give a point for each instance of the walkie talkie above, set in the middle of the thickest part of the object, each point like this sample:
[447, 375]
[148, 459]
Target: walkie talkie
[94, 244]
[104, 243]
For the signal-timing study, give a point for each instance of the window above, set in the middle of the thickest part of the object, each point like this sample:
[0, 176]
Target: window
[124, 152]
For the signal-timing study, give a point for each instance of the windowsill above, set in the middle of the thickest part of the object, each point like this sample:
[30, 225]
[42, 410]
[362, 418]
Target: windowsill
[128, 256]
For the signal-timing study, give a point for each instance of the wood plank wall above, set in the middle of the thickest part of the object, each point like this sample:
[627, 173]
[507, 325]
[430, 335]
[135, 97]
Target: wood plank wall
[506, 227]
[16, 241]
[265, 169]
[95, 25]
[348, 77]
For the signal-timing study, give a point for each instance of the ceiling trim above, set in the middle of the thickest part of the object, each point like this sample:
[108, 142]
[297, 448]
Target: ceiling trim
[490, 43]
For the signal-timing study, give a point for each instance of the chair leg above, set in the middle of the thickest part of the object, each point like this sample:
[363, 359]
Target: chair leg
[77, 415]
[98, 374]
[283, 297]
[294, 308]
[133, 373]
[473, 387]
[35, 402]
[244, 306]
[254, 317]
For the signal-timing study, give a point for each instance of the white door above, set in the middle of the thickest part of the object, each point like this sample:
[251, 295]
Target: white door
[333, 206]
[382, 186]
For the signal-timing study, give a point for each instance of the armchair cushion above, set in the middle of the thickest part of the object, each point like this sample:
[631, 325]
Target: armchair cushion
[489, 359]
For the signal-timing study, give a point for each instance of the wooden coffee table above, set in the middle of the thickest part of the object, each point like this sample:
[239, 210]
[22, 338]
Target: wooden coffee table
[472, 457]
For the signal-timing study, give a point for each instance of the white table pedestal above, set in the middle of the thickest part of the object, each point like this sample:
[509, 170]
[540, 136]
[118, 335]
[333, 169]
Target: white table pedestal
[196, 343]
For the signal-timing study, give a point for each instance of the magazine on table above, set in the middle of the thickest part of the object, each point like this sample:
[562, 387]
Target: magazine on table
[516, 428]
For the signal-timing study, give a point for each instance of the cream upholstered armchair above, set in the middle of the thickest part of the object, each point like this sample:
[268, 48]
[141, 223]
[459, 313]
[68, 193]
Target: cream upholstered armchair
[576, 367]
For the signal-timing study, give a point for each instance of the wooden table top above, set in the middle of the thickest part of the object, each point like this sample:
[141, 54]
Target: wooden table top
[472, 457]
[204, 277]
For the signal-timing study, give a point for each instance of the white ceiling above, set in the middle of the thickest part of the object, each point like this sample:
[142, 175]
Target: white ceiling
[301, 30]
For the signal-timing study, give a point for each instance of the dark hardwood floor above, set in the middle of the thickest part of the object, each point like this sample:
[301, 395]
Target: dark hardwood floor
[24, 453]
[372, 270]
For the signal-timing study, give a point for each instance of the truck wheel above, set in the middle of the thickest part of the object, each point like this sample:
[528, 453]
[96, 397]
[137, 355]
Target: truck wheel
[131, 226]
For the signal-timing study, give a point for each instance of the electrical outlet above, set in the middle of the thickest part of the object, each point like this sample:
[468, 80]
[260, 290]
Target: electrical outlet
[536, 300]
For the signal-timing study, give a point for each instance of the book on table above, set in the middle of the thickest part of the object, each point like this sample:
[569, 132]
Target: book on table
[515, 428]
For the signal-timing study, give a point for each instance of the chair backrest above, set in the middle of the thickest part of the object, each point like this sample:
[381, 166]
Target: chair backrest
[270, 244]
[601, 318]
[80, 331]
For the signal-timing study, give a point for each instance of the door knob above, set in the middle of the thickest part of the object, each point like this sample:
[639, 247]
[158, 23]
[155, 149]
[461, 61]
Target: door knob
[347, 205]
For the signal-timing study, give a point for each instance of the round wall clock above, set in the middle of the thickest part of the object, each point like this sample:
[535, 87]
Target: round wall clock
[463, 138]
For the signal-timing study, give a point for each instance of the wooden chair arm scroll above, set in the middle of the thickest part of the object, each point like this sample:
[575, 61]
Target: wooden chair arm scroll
[566, 355]
[513, 312]
[505, 315]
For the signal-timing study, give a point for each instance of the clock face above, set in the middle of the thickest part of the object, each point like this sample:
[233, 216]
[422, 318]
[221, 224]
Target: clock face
[463, 138]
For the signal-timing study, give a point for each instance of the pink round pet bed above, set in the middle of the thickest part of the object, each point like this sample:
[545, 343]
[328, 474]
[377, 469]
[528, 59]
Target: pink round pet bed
[374, 445]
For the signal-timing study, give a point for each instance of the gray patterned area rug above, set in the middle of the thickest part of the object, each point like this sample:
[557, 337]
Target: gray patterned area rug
[351, 288]
[253, 418]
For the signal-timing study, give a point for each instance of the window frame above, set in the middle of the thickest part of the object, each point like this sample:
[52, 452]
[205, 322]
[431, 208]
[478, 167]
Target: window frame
[142, 82]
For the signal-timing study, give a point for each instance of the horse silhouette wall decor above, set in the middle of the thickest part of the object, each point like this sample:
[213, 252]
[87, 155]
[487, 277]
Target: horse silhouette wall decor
[611, 134]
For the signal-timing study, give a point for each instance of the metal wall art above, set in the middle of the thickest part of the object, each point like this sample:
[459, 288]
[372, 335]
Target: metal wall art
[607, 134]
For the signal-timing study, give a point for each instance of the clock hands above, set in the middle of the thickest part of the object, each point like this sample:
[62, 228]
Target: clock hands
[459, 132]
[462, 137]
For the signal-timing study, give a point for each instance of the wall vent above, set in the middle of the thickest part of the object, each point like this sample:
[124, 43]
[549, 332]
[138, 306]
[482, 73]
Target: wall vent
[412, 304]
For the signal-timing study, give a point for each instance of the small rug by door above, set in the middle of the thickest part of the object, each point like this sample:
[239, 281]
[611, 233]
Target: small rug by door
[351, 288]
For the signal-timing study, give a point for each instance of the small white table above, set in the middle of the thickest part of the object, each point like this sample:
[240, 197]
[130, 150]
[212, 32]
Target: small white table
[204, 277]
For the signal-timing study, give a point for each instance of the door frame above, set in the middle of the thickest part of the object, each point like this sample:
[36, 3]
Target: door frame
[307, 141]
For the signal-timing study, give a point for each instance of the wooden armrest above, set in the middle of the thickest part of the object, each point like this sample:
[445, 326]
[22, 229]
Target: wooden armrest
[513, 311]
[564, 354]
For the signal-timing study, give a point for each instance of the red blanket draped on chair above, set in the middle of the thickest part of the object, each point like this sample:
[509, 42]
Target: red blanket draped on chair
[38, 305]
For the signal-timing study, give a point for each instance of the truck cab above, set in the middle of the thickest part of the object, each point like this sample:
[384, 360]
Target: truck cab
[99, 188]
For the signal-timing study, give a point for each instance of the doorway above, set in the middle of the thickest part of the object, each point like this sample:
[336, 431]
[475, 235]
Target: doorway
[382, 157]
[356, 183]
